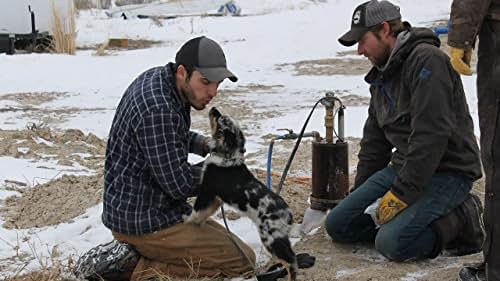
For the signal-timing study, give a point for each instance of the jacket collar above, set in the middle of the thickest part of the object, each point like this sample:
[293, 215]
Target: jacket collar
[405, 43]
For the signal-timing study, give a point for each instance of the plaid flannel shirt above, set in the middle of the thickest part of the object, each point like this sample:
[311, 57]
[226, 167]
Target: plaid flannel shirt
[147, 177]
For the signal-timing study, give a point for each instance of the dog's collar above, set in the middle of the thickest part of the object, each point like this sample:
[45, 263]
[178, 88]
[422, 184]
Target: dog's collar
[220, 161]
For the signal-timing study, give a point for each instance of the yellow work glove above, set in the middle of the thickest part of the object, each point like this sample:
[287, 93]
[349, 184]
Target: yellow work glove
[389, 207]
[460, 60]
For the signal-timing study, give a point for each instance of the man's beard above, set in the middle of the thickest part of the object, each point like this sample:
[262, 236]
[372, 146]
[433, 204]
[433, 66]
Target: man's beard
[188, 94]
[383, 58]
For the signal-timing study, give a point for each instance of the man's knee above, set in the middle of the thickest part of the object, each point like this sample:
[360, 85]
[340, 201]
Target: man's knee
[239, 262]
[387, 243]
[250, 257]
[336, 229]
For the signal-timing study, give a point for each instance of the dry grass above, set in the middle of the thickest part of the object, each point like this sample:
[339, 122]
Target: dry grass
[90, 4]
[105, 4]
[129, 2]
[61, 271]
[58, 274]
[156, 21]
[106, 48]
[101, 50]
[64, 31]
[52, 268]
[43, 275]
[84, 4]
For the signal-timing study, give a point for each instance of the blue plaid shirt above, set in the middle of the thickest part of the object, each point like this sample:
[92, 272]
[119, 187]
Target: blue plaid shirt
[147, 177]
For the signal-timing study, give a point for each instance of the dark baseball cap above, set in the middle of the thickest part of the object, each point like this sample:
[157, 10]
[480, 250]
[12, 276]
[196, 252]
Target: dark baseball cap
[206, 56]
[366, 16]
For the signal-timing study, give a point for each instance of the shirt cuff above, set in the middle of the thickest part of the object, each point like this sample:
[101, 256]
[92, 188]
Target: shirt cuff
[199, 145]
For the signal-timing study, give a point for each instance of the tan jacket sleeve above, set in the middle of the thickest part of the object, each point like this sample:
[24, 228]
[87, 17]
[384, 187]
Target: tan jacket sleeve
[465, 21]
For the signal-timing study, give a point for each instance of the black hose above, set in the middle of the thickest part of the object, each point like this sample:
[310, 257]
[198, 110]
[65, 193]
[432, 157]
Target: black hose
[292, 155]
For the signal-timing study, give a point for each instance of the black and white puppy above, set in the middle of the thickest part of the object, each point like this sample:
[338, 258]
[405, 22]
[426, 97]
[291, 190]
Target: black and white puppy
[227, 179]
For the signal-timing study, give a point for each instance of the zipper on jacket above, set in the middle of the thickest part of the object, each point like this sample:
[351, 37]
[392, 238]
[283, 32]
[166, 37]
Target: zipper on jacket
[382, 88]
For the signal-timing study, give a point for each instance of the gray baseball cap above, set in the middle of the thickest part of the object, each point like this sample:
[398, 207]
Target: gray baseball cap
[206, 56]
[366, 16]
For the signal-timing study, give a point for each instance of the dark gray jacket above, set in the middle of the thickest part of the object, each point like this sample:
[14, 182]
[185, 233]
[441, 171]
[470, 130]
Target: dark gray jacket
[466, 19]
[482, 18]
[418, 118]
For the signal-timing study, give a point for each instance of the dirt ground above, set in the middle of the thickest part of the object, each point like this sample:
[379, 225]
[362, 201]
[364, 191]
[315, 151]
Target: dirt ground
[29, 104]
[63, 199]
[58, 200]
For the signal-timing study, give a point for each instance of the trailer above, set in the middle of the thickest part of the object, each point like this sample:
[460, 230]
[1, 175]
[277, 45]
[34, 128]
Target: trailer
[26, 24]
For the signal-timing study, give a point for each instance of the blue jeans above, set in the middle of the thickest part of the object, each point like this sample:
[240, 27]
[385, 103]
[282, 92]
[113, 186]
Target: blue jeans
[408, 236]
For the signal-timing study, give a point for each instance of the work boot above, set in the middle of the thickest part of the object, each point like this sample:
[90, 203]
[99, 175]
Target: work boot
[111, 261]
[472, 272]
[461, 232]
[471, 238]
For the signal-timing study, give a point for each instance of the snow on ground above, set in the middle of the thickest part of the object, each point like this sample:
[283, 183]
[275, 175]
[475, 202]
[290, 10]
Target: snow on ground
[275, 32]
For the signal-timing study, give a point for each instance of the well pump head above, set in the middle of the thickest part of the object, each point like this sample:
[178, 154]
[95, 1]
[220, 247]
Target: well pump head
[329, 100]
[329, 103]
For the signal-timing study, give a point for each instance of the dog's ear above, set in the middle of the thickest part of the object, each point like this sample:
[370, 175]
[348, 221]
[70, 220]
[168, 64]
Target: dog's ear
[242, 145]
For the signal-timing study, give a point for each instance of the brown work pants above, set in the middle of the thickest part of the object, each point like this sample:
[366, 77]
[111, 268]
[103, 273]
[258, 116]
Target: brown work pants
[488, 91]
[189, 251]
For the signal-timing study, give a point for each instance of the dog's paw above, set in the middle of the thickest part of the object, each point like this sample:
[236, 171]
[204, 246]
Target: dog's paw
[186, 218]
[193, 218]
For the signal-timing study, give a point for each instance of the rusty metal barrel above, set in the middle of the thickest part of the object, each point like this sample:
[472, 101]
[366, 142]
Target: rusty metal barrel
[330, 174]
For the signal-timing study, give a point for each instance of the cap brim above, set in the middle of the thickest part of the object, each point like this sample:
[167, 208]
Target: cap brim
[353, 36]
[217, 74]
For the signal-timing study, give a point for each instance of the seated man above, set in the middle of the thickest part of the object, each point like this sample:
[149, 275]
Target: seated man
[148, 178]
[418, 151]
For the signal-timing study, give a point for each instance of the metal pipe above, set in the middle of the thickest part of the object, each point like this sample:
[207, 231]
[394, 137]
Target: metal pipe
[329, 124]
[341, 123]
[290, 136]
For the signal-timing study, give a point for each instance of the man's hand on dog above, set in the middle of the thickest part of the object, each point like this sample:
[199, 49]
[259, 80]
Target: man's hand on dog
[206, 146]
[390, 205]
